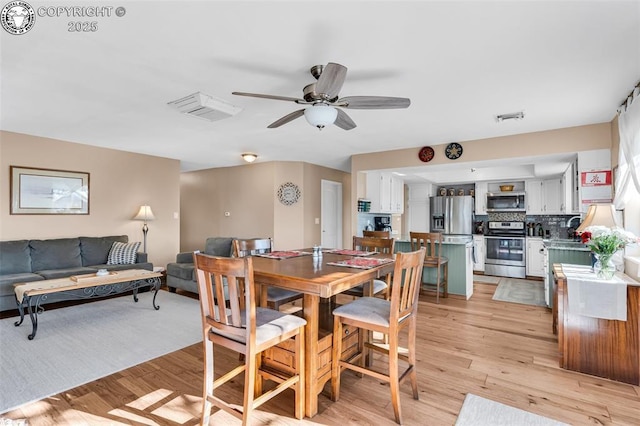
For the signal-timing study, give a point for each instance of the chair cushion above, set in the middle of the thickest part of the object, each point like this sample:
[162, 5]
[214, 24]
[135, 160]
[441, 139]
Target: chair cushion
[372, 310]
[95, 250]
[378, 287]
[55, 254]
[15, 257]
[269, 325]
[185, 271]
[123, 253]
[275, 294]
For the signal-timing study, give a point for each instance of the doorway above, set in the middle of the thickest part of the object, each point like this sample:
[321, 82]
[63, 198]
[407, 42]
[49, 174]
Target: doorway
[331, 214]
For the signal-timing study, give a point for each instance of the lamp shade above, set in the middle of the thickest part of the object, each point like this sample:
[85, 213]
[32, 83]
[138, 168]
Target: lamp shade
[321, 115]
[599, 215]
[145, 214]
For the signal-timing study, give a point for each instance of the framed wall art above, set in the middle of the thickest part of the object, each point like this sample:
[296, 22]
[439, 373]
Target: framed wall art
[47, 191]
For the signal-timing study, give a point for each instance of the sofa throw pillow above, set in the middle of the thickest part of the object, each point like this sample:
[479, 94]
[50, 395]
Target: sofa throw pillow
[123, 253]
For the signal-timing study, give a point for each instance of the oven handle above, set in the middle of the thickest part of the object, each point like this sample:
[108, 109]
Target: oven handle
[505, 238]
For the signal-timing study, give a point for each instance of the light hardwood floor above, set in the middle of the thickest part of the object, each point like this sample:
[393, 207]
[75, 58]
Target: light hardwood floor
[501, 351]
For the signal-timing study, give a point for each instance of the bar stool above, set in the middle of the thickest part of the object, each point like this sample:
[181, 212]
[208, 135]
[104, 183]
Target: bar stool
[432, 241]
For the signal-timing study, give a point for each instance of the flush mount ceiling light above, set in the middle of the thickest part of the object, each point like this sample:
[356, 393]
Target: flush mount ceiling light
[321, 115]
[249, 157]
[205, 107]
[512, 116]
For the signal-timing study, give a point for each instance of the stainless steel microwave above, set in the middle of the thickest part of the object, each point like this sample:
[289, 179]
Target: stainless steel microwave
[506, 202]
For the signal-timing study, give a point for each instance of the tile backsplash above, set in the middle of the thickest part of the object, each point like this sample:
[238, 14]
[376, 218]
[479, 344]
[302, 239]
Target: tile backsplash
[554, 226]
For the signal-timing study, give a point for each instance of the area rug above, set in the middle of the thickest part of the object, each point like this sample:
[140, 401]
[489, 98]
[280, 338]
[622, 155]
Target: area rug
[78, 344]
[486, 279]
[515, 290]
[478, 411]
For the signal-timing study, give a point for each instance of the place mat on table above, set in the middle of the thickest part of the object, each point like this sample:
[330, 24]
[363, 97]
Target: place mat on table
[279, 255]
[360, 263]
[348, 252]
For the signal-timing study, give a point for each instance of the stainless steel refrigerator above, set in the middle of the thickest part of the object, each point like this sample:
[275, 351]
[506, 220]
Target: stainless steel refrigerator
[452, 215]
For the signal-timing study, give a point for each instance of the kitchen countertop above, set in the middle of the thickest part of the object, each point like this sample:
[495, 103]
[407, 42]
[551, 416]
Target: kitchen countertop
[561, 244]
[454, 239]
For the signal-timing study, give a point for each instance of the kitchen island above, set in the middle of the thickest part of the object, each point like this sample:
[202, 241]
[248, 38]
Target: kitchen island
[561, 251]
[598, 343]
[459, 252]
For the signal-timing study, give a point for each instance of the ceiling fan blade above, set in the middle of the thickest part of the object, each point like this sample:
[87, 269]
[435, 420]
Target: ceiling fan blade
[331, 80]
[344, 121]
[258, 95]
[287, 118]
[373, 102]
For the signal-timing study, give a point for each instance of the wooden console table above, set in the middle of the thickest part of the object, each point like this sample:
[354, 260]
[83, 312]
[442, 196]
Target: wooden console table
[601, 347]
[31, 295]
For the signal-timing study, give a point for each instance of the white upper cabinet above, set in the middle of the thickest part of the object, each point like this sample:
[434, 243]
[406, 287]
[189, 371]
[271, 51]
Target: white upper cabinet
[481, 197]
[546, 196]
[554, 196]
[386, 192]
[535, 204]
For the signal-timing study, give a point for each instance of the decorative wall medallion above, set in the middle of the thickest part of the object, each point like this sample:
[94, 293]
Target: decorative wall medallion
[289, 193]
[453, 151]
[426, 154]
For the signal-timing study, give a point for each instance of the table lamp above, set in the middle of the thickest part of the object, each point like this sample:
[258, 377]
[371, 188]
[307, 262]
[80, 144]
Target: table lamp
[146, 215]
[599, 215]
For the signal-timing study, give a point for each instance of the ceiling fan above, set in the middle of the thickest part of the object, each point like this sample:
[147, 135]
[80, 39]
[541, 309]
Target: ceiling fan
[322, 96]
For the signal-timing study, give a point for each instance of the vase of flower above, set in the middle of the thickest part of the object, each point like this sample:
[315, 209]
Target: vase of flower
[604, 242]
[604, 267]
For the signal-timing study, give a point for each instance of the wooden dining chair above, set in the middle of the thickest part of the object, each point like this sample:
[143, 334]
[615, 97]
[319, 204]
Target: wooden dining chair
[388, 317]
[373, 244]
[248, 247]
[248, 331]
[376, 234]
[432, 241]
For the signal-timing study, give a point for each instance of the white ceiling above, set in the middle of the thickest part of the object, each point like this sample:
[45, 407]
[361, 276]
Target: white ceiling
[565, 63]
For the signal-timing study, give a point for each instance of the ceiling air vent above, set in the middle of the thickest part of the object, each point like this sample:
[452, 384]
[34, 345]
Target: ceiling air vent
[512, 116]
[205, 107]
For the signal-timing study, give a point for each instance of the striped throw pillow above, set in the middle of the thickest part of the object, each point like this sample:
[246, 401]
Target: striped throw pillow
[123, 253]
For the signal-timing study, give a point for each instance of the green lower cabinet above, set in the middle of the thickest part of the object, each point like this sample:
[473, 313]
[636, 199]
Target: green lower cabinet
[459, 271]
[560, 255]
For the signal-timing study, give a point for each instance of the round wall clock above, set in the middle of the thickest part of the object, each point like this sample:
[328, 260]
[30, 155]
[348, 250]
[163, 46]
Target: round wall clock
[426, 154]
[453, 151]
[288, 193]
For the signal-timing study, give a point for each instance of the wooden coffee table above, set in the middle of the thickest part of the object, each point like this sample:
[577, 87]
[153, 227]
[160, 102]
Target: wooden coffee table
[32, 294]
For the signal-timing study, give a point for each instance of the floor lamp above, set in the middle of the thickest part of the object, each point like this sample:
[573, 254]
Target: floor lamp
[146, 215]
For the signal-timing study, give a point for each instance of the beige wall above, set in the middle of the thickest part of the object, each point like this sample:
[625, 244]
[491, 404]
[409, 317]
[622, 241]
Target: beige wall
[248, 193]
[120, 182]
[573, 139]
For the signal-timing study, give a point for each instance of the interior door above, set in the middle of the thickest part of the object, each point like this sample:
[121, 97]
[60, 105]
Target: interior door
[331, 214]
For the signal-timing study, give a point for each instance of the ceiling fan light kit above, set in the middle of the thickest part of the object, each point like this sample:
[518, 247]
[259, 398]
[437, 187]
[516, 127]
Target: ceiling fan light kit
[205, 107]
[249, 157]
[321, 115]
[322, 96]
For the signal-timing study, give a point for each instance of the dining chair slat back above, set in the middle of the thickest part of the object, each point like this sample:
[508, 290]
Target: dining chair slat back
[276, 297]
[388, 317]
[234, 325]
[432, 242]
[373, 244]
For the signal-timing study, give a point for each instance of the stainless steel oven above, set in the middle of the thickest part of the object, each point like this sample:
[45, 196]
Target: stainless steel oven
[506, 249]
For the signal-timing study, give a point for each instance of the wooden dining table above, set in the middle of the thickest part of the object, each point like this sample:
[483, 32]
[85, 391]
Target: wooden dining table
[318, 281]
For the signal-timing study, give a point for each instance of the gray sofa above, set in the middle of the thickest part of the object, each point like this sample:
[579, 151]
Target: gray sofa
[181, 274]
[36, 260]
